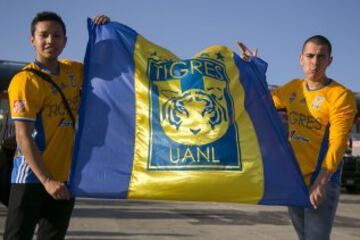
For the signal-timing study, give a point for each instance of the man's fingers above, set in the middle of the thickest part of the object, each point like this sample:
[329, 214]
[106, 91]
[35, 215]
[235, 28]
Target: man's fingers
[63, 192]
[242, 47]
[313, 201]
[58, 190]
[246, 53]
[66, 194]
[316, 197]
[101, 19]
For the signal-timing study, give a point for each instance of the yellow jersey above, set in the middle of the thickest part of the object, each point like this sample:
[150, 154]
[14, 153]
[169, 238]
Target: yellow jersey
[319, 122]
[33, 99]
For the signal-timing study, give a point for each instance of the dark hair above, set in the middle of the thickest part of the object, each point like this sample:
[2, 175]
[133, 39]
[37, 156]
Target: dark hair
[47, 16]
[319, 40]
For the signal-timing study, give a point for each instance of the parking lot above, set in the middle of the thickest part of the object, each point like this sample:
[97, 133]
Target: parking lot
[160, 220]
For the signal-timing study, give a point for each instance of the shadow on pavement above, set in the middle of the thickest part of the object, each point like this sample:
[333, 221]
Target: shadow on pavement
[79, 235]
[196, 217]
[205, 216]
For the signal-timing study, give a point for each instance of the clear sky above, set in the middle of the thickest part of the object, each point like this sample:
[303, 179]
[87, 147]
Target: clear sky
[277, 27]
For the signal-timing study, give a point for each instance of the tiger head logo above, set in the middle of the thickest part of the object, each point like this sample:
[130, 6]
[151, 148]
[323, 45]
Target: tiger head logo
[195, 116]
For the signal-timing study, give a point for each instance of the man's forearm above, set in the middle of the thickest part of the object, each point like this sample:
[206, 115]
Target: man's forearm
[33, 158]
[323, 177]
[318, 189]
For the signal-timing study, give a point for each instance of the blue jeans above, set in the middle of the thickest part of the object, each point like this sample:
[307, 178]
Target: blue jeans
[316, 224]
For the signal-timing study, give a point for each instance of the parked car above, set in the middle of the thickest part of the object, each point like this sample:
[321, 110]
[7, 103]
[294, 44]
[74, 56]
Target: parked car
[350, 178]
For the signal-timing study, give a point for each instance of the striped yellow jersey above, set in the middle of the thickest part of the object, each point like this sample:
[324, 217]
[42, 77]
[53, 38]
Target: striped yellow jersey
[33, 99]
[319, 122]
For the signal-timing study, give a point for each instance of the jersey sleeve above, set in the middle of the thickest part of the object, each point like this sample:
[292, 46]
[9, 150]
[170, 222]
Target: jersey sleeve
[342, 112]
[280, 96]
[277, 97]
[25, 97]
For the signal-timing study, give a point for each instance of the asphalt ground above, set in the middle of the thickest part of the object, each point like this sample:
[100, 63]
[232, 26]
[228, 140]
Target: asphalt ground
[162, 220]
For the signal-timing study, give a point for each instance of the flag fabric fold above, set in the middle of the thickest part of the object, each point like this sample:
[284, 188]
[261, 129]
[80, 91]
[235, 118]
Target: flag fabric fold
[153, 126]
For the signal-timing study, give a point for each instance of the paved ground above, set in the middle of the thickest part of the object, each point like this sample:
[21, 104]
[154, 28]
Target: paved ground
[150, 220]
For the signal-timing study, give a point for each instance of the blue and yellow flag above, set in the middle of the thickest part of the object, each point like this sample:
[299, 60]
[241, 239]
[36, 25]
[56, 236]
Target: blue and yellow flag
[153, 126]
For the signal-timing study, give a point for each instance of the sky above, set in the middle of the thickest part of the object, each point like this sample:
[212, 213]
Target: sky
[277, 28]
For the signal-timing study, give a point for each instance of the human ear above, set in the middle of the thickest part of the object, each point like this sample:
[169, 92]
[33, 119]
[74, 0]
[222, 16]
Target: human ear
[301, 60]
[31, 39]
[330, 60]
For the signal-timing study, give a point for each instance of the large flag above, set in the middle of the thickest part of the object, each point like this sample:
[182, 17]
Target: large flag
[153, 126]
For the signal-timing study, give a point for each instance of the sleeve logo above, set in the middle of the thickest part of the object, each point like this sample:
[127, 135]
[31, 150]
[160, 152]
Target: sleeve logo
[19, 106]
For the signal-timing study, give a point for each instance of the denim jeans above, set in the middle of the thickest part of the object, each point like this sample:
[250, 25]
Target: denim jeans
[316, 224]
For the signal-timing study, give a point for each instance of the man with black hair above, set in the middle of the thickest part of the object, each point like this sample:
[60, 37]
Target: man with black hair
[44, 134]
[320, 115]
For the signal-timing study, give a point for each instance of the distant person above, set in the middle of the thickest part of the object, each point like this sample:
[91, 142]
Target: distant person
[320, 115]
[44, 134]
